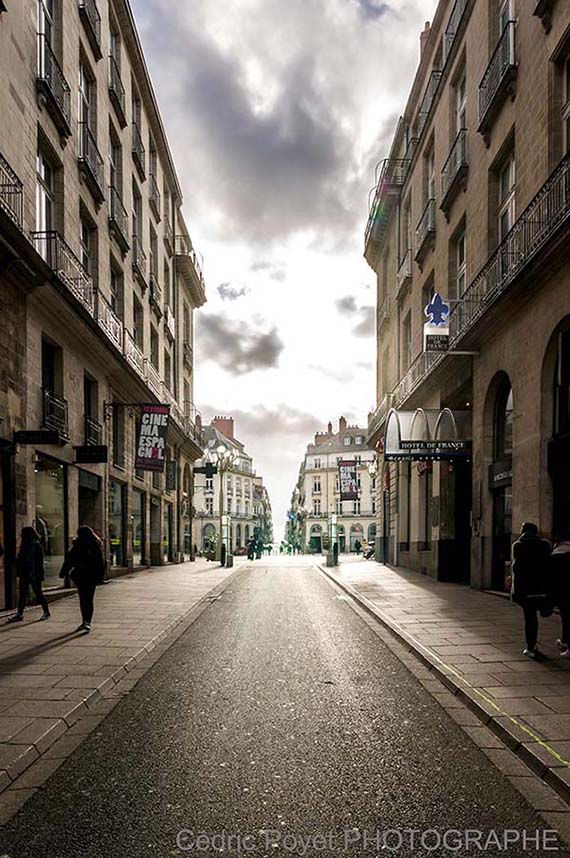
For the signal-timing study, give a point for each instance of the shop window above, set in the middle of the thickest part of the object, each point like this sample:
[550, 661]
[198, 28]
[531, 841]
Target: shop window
[119, 436]
[117, 523]
[138, 527]
[51, 514]
[405, 505]
[504, 423]
[426, 492]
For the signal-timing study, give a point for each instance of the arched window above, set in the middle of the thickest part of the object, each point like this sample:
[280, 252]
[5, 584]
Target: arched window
[562, 386]
[504, 422]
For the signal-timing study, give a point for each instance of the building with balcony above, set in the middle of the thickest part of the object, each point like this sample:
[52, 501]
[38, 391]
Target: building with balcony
[474, 438]
[238, 493]
[97, 306]
[317, 493]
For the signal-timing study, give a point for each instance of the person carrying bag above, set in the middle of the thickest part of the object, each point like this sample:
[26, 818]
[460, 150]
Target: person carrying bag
[85, 565]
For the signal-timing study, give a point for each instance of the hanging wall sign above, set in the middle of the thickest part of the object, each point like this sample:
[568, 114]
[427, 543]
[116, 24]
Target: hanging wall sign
[151, 439]
[436, 329]
[348, 480]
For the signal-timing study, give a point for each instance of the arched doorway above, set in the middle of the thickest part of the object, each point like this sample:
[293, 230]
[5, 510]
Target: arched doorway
[556, 426]
[341, 533]
[246, 534]
[356, 535]
[208, 537]
[371, 535]
[316, 539]
[501, 481]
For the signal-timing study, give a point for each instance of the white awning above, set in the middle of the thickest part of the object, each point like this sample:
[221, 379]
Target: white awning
[427, 435]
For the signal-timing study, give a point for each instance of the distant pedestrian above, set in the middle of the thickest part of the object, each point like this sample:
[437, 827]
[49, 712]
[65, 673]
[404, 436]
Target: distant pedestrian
[85, 566]
[560, 566]
[258, 549]
[530, 585]
[251, 549]
[30, 571]
[358, 546]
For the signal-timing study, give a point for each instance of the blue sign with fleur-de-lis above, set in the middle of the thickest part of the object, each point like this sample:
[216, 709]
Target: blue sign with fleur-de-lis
[437, 311]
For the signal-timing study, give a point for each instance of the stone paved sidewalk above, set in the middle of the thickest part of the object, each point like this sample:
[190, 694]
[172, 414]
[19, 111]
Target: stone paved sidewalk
[51, 676]
[472, 642]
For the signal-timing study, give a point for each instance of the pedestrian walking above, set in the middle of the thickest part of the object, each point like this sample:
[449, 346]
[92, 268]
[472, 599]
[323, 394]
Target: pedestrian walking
[85, 566]
[357, 546]
[560, 566]
[30, 571]
[530, 584]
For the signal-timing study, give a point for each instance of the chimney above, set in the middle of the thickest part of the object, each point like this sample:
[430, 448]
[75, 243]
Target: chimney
[424, 36]
[342, 425]
[225, 425]
[329, 427]
[199, 422]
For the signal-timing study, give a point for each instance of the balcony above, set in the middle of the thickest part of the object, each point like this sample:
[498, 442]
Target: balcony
[154, 196]
[139, 262]
[54, 413]
[66, 266]
[453, 26]
[93, 432]
[110, 322]
[118, 219]
[454, 173]
[53, 87]
[139, 154]
[404, 275]
[425, 231]
[134, 355]
[168, 237]
[117, 91]
[189, 267]
[169, 324]
[393, 173]
[543, 10]
[155, 295]
[498, 80]
[91, 21]
[11, 193]
[91, 163]
[428, 100]
[192, 422]
[188, 356]
[544, 225]
[153, 379]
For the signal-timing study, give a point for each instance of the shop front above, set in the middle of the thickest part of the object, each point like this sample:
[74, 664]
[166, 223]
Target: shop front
[51, 519]
[117, 508]
[138, 529]
[167, 532]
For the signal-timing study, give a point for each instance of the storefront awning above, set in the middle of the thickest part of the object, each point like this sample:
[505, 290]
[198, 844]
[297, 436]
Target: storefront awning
[427, 435]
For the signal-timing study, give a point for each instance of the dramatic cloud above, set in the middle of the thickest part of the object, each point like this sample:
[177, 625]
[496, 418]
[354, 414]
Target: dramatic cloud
[237, 346]
[274, 270]
[231, 291]
[366, 327]
[347, 304]
[372, 10]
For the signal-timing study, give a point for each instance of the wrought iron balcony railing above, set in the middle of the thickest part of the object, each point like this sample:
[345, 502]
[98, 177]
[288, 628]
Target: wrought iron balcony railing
[453, 26]
[139, 261]
[93, 432]
[11, 192]
[66, 266]
[155, 293]
[189, 266]
[91, 162]
[154, 196]
[393, 173]
[117, 90]
[405, 270]
[91, 19]
[133, 354]
[428, 99]
[546, 215]
[139, 153]
[153, 379]
[425, 230]
[500, 73]
[454, 170]
[52, 84]
[118, 218]
[110, 322]
[54, 412]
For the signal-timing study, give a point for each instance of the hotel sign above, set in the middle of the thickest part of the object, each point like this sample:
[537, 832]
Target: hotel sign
[436, 329]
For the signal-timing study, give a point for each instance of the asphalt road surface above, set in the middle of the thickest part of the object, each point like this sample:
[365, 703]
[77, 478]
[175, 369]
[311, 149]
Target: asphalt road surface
[279, 718]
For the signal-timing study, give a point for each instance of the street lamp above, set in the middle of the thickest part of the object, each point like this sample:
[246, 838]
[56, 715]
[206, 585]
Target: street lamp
[224, 458]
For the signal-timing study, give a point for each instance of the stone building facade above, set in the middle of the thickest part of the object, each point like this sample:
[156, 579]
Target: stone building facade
[99, 282]
[317, 494]
[473, 203]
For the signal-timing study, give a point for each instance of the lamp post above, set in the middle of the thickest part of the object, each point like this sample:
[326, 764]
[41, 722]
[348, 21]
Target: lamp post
[224, 458]
[373, 470]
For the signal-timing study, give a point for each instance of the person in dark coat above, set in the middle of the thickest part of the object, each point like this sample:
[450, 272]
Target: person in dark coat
[30, 571]
[251, 549]
[560, 572]
[530, 583]
[85, 565]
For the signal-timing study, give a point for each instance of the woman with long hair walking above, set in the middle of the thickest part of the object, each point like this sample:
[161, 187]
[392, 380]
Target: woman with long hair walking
[85, 565]
[30, 571]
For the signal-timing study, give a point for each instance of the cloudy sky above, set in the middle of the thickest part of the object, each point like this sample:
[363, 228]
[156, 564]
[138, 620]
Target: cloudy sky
[277, 113]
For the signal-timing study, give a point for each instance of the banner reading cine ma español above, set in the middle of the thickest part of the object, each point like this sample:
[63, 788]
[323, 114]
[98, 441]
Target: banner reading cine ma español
[151, 439]
[348, 480]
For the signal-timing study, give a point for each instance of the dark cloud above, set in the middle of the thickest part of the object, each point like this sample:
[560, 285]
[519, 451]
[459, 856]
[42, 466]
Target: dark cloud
[366, 327]
[232, 291]
[372, 9]
[346, 304]
[274, 270]
[237, 346]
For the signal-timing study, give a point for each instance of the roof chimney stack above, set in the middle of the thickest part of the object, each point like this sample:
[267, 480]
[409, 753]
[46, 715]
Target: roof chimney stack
[342, 425]
[424, 36]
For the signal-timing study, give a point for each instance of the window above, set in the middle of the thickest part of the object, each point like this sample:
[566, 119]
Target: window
[167, 370]
[504, 422]
[117, 292]
[118, 436]
[45, 20]
[167, 296]
[247, 507]
[407, 227]
[317, 464]
[52, 367]
[45, 195]
[338, 507]
[210, 506]
[187, 401]
[137, 218]
[153, 252]
[85, 86]
[186, 323]
[506, 213]
[90, 397]
[356, 507]
[461, 103]
[316, 484]
[347, 440]
[506, 13]
[209, 484]
[228, 505]
[407, 342]
[238, 507]
[460, 265]
[115, 164]
[238, 486]
[317, 506]
[87, 245]
[154, 347]
[138, 323]
[566, 108]
[562, 386]
[430, 174]
[358, 439]
[358, 460]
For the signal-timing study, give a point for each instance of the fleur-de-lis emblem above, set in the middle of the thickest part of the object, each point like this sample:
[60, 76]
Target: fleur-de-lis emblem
[438, 311]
